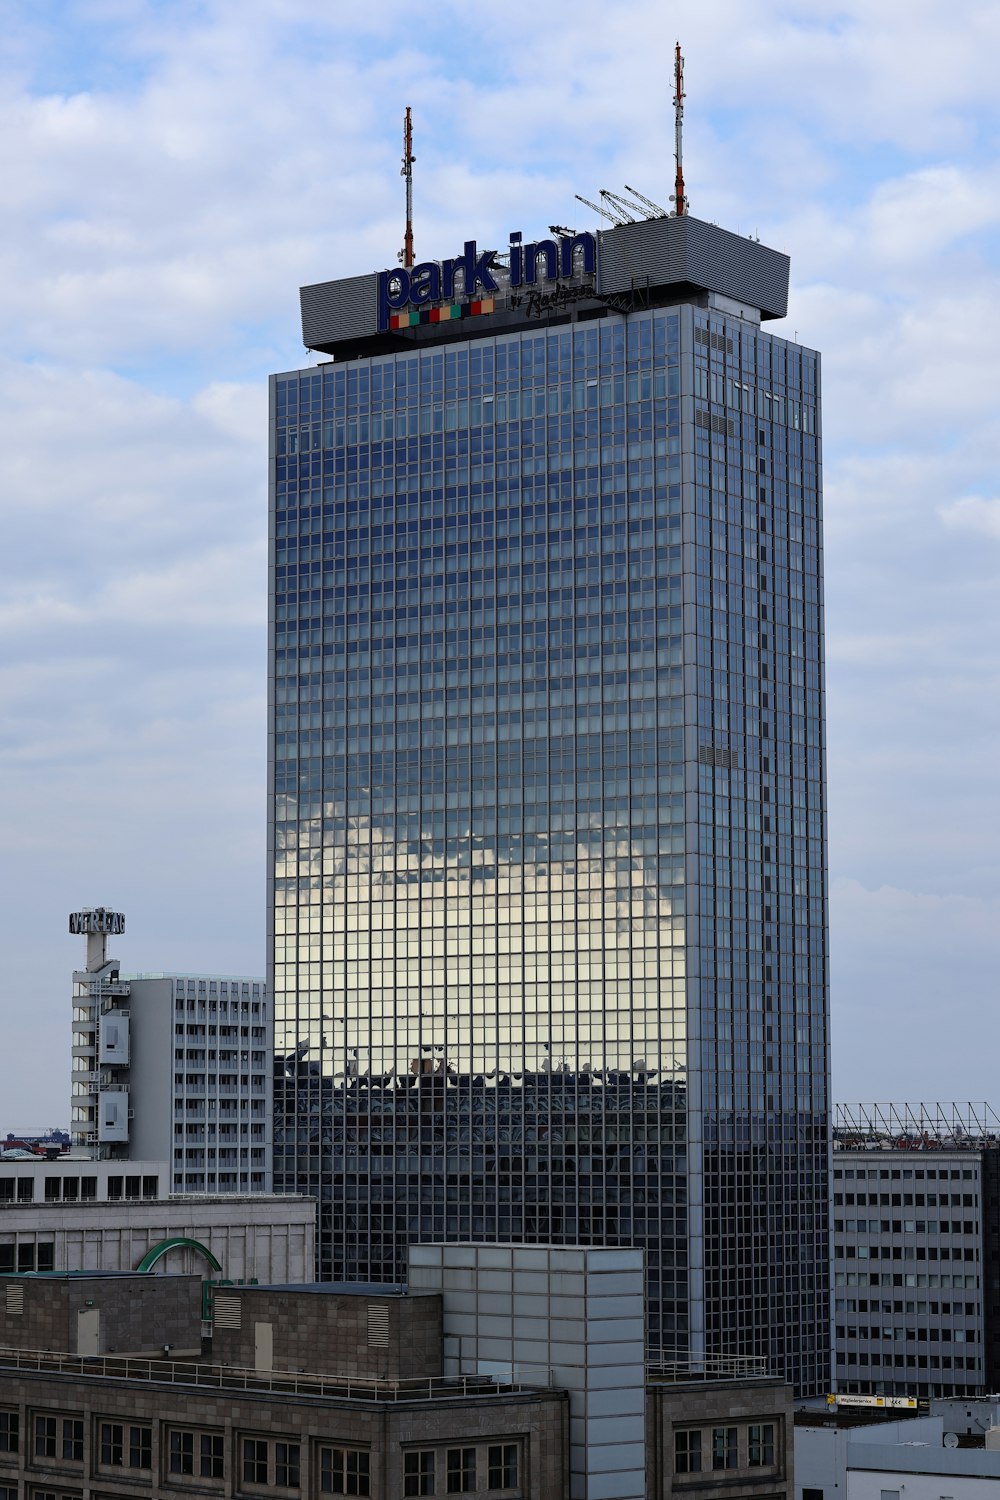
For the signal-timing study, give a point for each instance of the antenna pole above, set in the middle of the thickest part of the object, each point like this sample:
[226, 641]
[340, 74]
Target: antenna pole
[408, 159]
[680, 201]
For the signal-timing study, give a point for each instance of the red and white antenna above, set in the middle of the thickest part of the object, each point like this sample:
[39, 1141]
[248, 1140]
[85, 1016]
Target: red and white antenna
[680, 201]
[406, 254]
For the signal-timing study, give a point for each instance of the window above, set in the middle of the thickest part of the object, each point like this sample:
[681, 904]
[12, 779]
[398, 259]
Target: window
[812, 1494]
[502, 1459]
[10, 1432]
[6, 1257]
[724, 1455]
[140, 1447]
[418, 1473]
[115, 1187]
[25, 1190]
[181, 1452]
[461, 1470]
[213, 1458]
[344, 1471]
[46, 1258]
[286, 1465]
[88, 1187]
[113, 1450]
[254, 1461]
[45, 1437]
[687, 1452]
[761, 1445]
[112, 1445]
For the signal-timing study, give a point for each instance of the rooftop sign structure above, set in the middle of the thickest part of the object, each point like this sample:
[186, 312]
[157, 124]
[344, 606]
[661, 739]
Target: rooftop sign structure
[643, 264]
[96, 921]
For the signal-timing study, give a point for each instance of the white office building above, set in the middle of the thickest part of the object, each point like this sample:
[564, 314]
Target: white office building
[915, 1250]
[77, 1214]
[170, 1067]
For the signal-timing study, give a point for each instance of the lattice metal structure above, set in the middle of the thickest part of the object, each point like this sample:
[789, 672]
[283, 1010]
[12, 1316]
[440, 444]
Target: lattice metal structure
[926, 1126]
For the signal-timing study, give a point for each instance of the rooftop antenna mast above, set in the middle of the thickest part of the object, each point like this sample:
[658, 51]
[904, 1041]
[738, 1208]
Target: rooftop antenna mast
[406, 254]
[680, 201]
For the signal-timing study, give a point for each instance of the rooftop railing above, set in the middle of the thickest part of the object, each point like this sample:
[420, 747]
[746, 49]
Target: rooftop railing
[300, 1384]
[708, 1367]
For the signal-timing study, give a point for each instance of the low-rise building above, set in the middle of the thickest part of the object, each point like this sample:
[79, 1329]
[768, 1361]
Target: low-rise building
[74, 1214]
[370, 1415]
[889, 1460]
[316, 1390]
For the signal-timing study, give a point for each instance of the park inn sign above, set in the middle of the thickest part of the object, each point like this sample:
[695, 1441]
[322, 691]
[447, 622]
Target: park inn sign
[435, 284]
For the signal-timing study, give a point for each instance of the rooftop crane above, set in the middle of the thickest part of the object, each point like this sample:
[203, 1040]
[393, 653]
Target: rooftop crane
[647, 202]
[605, 213]
[618, 202]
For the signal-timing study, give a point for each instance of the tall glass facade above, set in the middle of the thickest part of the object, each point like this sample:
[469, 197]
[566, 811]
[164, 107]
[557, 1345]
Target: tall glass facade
[547, 841]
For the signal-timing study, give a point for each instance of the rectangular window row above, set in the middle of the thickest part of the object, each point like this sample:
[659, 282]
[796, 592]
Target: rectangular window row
[461, 1469]
[27, 1256]
[699, 1449]
[189, 1453]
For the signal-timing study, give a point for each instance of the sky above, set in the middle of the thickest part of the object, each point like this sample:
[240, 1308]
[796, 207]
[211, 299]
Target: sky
[171, 171]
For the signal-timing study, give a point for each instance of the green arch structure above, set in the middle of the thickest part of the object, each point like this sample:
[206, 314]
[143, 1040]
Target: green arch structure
[180, 1241]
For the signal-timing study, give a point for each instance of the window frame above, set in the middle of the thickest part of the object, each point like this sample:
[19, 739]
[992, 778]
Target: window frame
[261, 1455]
[725, 1454]
[340, 1472]
[287, 1460]
[762, 1441]
[212, 1455]
[687, 1450]
[461, 1469]
[180, 1451]
[44, 1443]
[10, 1431]
[419, 1469]
[503, 1459]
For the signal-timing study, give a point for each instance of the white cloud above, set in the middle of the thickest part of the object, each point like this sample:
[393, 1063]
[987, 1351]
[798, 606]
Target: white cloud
[973, 513]
[169, 176]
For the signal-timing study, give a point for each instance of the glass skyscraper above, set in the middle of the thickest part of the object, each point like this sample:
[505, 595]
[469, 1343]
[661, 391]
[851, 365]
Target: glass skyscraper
[548, 846]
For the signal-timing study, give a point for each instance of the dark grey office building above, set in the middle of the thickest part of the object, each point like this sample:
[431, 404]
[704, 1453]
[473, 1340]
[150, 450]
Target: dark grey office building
[548, 855]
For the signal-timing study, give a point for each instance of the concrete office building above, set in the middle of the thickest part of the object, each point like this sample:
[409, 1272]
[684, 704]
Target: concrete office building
[548, 863]
[80, 1215]
[170, 1067]
[916, 1249]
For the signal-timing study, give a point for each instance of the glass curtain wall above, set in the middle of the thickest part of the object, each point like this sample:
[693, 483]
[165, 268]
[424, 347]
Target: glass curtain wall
[547, 822]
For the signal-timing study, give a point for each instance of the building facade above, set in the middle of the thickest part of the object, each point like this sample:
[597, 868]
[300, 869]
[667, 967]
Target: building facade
[108, 1389]
[80, 1215]
[547, 775]
[263, 1236]
[171, 1066]
[916, 1250]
